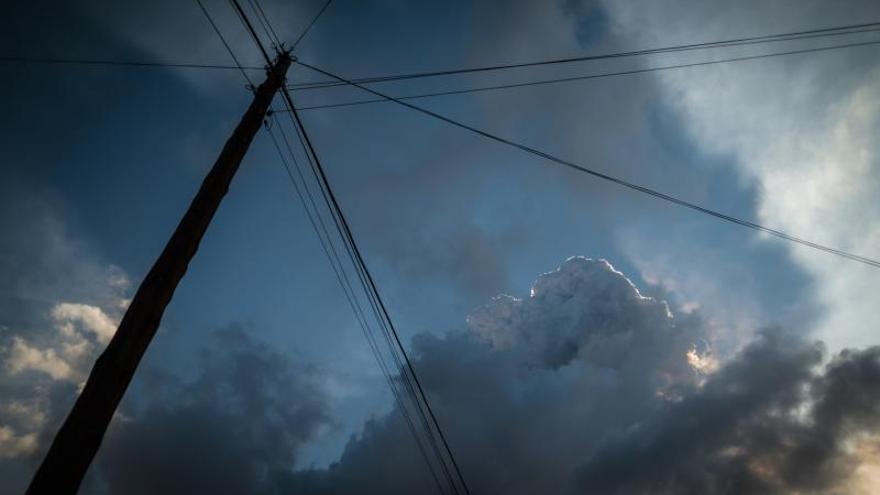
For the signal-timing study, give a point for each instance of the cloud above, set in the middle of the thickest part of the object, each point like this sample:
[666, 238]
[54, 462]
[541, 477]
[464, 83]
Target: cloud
[59, 302]
[23, 357]
[92, 318]
[746, 431]
[67, 353]
[581, 294]
[244, 412]
[532, 387]
[80, 332]
[801, 128]
[14, 445]
[585, 347]
[241, 418]
[587, 385]
[549, 391]
[584, 384]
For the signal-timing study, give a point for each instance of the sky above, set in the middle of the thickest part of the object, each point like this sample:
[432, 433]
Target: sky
[572, 336]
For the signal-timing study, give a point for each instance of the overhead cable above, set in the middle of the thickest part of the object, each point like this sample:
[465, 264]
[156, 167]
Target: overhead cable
[606, 177]
[421, 399]
[309, 27]
[587, 77]
[769, 38]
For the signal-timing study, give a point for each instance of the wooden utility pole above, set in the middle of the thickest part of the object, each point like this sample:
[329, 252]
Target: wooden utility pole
[79, 438]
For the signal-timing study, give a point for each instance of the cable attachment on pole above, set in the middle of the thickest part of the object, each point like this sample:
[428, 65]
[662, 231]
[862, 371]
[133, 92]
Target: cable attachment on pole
[281, 51]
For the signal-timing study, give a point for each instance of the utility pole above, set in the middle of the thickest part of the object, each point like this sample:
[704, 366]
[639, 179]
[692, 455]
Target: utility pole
[79, 438]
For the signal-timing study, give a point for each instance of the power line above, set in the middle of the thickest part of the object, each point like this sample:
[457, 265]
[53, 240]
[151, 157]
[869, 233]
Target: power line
[600, 175]
[329, 247]
[587, 77]
[366, 277]
[330, 252]
[264, 22]
[309, 27]
[250, 29]
[373, 291]
[121, 63]
[225, 44]
[769, 38]
[407, 373]
[371, 300]
[375, 309]
[371, 297]
[318, 84]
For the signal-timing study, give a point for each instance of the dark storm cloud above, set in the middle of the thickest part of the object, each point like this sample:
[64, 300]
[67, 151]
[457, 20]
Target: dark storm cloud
[521, 413]
[533, 388]
[585, 385]
[245, 412]
[241, 419]
[741, 433]
[613, 406]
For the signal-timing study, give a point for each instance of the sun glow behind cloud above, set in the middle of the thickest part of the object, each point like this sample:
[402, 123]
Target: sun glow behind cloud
[805, 130]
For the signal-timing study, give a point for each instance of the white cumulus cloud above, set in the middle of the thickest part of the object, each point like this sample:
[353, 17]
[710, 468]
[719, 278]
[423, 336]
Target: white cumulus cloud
[92, 318]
